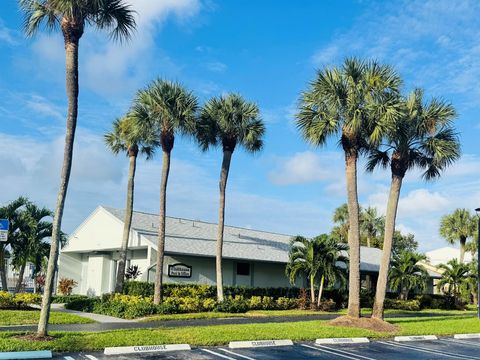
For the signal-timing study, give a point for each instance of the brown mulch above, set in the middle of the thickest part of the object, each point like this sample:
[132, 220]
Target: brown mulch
[34, 337]
[365, 323]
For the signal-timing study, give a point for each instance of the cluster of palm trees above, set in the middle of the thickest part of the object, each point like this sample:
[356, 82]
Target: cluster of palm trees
[159, 113]
[371, 225]
[361, 105]
[30, 229]
[321, 259]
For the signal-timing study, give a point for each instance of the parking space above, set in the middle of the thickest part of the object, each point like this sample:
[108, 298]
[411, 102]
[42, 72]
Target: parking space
[447, 348]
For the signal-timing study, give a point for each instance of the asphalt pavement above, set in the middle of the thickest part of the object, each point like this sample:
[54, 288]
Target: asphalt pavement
[444, 348]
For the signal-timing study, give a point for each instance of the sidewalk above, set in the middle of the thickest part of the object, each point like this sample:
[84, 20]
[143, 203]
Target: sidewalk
[95, 317]
[129, 324]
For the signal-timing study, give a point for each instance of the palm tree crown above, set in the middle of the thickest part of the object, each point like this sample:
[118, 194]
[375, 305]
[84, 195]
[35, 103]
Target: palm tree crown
[406, 274]
[458, 226]
[455, 275]
[129, 137]
[371, 224]
[356, 100]
[230, 121]
[167, 108]
[423, 137]
[72, 15]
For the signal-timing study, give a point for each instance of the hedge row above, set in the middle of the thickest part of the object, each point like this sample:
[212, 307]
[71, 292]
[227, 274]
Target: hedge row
[134, 306]
[142, 288]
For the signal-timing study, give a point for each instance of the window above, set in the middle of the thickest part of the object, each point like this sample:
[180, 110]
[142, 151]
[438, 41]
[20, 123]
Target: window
[243, 269]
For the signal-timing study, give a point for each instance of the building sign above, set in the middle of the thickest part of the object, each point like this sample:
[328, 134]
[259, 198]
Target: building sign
[4, 225]
[179, 271]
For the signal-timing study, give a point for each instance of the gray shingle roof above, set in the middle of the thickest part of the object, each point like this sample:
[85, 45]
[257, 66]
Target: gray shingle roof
[192, 237]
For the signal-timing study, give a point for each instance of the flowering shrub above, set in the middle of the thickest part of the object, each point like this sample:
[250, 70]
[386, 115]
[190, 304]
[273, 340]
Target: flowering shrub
[18, 301]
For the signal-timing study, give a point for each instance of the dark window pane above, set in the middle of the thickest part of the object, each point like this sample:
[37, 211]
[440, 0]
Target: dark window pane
[243, 269]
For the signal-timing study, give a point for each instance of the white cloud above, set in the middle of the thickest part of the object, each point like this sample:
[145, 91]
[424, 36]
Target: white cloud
[8, 36]
[118, 69]
[216, 66]
[438, 38]
[305, 167]
[42, 107]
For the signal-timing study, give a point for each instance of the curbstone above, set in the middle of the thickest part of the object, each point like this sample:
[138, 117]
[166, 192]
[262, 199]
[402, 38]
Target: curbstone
[259, 343]
[44, 354]
[358, 340]
[415, 338]
[145, 349]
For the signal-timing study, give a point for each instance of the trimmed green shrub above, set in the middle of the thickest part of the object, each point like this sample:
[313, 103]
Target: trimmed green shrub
[411, 305]
[85, 305]
[63, 299]
[232, 305]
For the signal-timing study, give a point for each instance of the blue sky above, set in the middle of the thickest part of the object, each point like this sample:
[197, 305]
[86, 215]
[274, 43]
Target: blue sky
[265, 50]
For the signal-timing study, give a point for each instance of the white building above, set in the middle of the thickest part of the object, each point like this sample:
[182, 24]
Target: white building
[251, 257]
[445, 254]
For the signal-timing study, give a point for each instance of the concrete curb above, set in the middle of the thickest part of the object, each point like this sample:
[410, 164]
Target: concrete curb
[44, 354]
[145, 349]
[415, 338]
[259, 343]
[358, 340]
[466, 336]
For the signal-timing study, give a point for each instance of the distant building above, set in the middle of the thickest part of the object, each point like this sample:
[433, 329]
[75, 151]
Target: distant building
[251, 257]
[445, 254]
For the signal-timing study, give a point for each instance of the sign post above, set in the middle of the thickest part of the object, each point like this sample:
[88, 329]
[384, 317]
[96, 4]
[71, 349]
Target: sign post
[4, 226]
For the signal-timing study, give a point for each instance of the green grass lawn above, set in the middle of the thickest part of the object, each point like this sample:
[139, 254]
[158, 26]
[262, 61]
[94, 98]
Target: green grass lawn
[266, 313]
[28, 317]
[222, 334]
[220, 315]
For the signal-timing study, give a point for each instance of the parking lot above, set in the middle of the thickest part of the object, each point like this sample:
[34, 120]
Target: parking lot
[446, 348]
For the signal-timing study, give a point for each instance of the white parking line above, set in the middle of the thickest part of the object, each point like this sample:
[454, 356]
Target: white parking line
[68, 358]
[329, 352]
[218, 354]
[239, 355]
[344, 352]
[466, 342]
[91, 357]
[427, 350]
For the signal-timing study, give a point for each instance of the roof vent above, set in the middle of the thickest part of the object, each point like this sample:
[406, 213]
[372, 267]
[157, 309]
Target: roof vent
[153, 225]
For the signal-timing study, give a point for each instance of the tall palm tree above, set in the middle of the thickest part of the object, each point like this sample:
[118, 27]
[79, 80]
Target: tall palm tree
[354, 102]
[331, 254]
[458, 226]
[167, 109]
[71, 16]
[371, 224]
[455, 276]
[422, 137]
[405, 274]
[304, 260]
[130, 138]
[229, 121]
[29, 242]
[11, 213]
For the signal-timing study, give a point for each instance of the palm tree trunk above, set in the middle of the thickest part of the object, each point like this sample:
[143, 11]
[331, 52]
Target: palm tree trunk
[20, 277]
[3, 270]
[353, 235]
[312, 290]
[227, 157]
[127, 222]
[390, 217]
[71, 67]
[320, 291]
[463, 242]
[158, 295]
